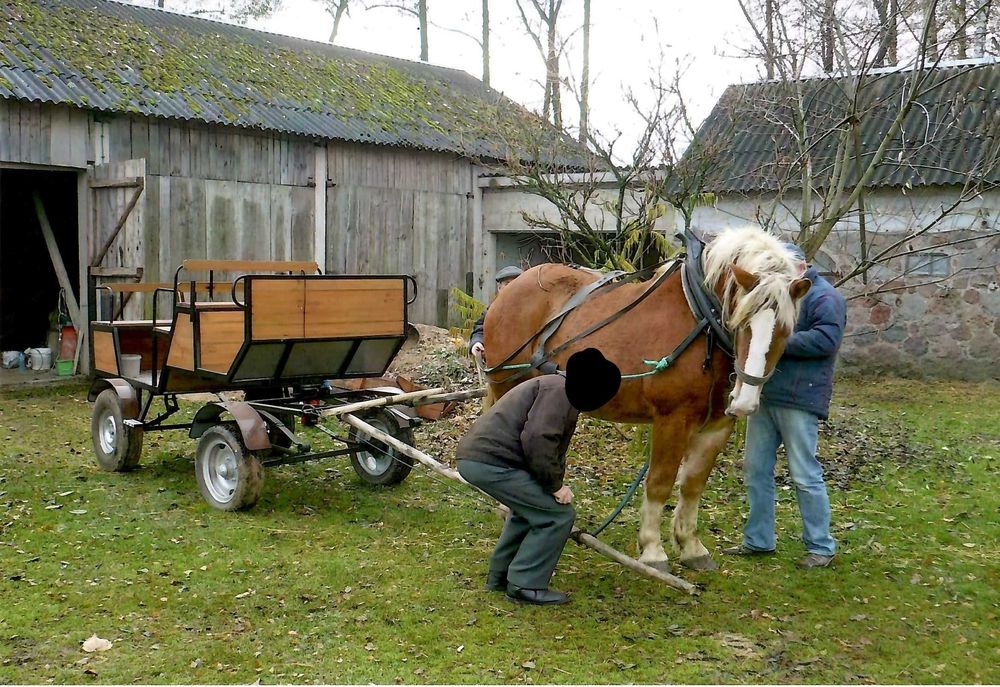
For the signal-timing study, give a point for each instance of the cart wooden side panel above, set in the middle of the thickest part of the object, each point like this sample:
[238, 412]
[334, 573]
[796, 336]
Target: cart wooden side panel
[354, 308]
[182, 343]
[105, 359]
[276, 309]
[221, 336]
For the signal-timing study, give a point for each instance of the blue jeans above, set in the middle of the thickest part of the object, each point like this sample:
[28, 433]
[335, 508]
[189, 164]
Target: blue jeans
[798, 430]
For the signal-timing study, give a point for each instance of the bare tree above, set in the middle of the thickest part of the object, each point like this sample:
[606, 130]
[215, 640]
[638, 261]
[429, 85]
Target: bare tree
[547, 12]
[485, 44]
[336, 9]
[415, 8]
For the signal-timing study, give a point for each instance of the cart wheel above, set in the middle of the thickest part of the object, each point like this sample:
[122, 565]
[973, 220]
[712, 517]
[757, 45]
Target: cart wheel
[230, 477]
[116, 445]
[381, 464]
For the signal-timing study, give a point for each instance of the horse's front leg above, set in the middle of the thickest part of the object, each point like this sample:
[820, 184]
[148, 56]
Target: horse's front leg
[699, 460]
[669, 439]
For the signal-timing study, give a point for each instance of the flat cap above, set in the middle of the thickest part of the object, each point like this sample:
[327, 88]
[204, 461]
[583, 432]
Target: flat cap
[508, 272]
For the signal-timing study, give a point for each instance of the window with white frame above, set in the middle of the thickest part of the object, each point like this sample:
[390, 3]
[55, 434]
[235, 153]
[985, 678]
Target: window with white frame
[928, 265]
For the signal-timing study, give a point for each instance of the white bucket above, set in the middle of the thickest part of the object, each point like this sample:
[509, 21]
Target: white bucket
[130, 365]
[39, 358]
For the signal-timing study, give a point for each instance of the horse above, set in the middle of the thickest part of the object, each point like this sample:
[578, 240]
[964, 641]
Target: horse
[757, 284]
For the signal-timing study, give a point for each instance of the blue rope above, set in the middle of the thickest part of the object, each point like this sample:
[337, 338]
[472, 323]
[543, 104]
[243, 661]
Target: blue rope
[628, 494]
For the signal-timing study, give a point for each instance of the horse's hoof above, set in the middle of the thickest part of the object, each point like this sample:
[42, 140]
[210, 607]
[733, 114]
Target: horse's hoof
[700, 563]
[663, 566]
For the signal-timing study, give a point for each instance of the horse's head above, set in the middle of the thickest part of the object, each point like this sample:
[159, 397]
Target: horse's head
[760, 284]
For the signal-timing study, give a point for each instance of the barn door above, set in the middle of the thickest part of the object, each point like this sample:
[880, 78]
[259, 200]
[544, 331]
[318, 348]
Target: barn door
[116, 240]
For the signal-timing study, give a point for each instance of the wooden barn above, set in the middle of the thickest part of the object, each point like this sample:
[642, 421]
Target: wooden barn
[146, 137]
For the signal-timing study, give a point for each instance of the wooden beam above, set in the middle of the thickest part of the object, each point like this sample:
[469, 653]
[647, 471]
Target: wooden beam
[57, 264]
[127, 272]
[127, 182]
[578, 535]
[306, 266]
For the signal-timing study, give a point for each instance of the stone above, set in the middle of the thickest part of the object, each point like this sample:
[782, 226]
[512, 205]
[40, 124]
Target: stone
[971, 296]
[880, 314]
[962, 332]
[911, 307]
[916, 346]
[894, 334]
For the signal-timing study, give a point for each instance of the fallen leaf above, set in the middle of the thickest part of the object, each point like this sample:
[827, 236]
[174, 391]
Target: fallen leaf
[528, 665]
[95, 643]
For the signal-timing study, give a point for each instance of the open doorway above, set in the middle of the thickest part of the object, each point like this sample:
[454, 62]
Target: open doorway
[29, 287]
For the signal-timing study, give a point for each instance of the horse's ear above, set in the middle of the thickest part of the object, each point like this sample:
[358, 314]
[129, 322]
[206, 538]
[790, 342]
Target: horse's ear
[799, 288]
[747, 280]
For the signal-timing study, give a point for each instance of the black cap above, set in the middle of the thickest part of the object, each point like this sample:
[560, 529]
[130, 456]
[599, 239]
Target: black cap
[591, 380]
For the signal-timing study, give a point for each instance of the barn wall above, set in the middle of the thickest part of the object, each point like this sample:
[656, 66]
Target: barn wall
[41, 134]
[393, 211]
[899, 322]
[213, 192]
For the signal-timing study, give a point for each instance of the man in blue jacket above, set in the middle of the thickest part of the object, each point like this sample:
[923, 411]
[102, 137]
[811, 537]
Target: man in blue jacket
[792, 403]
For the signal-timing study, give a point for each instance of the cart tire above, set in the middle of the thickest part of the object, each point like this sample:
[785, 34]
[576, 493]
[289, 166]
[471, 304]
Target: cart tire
[384, 465]
[229, 475]
[117, 446]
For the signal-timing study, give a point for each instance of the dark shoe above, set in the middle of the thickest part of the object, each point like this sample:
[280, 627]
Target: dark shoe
[744, 550]
[815, 560]
[539, 597]
[496, 581]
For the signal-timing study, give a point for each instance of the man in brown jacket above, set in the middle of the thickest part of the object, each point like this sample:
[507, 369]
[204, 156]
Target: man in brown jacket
[516, 453]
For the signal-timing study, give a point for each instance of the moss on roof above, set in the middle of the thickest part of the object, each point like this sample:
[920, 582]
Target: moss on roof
[121, 58]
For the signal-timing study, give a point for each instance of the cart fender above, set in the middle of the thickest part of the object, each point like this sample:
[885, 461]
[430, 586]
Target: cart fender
[251, 424]
[126, 394]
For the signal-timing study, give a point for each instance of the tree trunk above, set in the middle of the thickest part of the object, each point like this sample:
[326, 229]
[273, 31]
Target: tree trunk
[338, 14]
[585, 78]
[961, 35]
[769, 48]
[827, 38]
[486, 42]
[552, 65]
[422, 14]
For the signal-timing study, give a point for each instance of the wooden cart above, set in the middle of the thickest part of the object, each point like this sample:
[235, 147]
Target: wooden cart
[279, 332]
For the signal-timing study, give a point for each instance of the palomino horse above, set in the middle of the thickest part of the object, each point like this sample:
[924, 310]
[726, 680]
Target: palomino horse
[758, 284]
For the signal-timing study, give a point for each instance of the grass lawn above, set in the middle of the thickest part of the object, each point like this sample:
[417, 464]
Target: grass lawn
[328, 580]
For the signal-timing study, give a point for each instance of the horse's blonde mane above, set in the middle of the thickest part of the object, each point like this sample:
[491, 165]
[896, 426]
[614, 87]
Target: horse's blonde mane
[762, 254]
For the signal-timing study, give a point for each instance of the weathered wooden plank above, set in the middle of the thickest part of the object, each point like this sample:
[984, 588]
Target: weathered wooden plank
[140, 137]
[254, 219]
[79, 136]
[30, 124]
[180, 150]
[281, 222]
[221, 198]
[120, 133]
[6, 139]
[60, 150]
[303, 223]
[165, 260]
[187, 220]
[154, 157]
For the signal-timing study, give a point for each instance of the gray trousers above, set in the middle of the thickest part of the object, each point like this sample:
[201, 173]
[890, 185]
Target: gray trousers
[536, 531]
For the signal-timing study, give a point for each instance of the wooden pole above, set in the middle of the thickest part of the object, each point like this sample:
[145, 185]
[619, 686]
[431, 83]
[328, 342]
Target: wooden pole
[57, 263]
[377, 402]
[455, 396]
[579, 536]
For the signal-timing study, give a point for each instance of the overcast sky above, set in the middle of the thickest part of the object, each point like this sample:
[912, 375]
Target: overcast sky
[627, 38]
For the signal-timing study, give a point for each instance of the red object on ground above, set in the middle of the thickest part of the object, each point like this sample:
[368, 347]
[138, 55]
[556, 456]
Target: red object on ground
[67, 342]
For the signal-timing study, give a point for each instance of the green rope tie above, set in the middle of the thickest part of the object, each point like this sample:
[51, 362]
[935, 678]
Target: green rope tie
[658, 366]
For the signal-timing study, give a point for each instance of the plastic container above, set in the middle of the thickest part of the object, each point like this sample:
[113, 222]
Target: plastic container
[64, 367]
[39, 358]
[130, 365]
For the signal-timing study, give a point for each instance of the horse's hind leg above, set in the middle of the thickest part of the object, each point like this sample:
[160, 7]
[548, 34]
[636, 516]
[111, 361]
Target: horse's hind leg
[669, 437]
[702, 450]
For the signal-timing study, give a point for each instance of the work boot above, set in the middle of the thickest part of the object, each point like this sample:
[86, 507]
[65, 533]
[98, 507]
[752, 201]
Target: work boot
[496, 581]
[744, 550]
[538, 597]
[815, 560]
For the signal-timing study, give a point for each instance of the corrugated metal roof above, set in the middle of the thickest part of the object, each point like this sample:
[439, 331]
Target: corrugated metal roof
[105, 55]
[952, 132]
